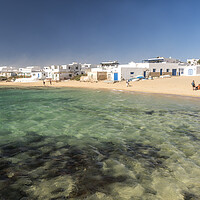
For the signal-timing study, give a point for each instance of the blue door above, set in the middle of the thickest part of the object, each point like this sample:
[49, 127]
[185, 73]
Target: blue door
[144, 74]
[160, 71]
[115, 76]
[173, 72]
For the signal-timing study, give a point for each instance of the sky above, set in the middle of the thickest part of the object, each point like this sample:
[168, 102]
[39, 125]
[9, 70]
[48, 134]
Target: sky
[45, 32]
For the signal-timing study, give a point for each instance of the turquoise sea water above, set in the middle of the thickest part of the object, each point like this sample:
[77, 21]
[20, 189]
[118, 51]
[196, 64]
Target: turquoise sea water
[93, 144]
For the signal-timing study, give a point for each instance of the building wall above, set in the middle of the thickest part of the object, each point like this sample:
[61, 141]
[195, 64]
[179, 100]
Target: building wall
[101, 76]
[165, 67]
[142, 65]
[190, 71]
[38, 75]
[65, 75]
[198, 70]
[97, 76]
[8, 74]
[92, 76]
[127, 72]
[62, 72]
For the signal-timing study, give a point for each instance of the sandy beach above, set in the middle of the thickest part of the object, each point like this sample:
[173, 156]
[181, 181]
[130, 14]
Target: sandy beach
[173, 86]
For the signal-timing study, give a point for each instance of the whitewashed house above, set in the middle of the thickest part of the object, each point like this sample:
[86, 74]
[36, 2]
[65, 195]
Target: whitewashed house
[25, 71]
[7, 71]
[93, 74]
[165, 66]
[85, 68]
[117, 72]
[62, 72]
[112, 69]
[55, 72]
[192, 70]
[31, 71]
[75, 69]
[39, 75]
[132, 70]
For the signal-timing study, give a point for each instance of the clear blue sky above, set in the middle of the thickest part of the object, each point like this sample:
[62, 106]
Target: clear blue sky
[43, 32]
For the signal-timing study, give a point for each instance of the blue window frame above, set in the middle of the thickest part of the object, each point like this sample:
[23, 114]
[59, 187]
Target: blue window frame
[190, 71]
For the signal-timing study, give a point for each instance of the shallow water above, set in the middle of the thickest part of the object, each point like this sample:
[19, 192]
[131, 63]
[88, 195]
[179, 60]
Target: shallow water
[89, 144]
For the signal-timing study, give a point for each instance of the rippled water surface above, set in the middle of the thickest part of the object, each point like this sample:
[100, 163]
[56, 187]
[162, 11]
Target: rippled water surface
[88, 144]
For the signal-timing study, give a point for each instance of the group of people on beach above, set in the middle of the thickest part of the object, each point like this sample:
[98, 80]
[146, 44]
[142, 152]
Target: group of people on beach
[45, 82]
[194, 86]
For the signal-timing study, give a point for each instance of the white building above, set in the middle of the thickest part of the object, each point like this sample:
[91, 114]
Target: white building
[62, 72]
[86, 66]
[55, 72]
[40, 75]
[3, 68]
[192, 70]
[154, 67]
[117, 72]
[75, 69]
[160, 59]
[132, 70]
[31, 71]
[109, 65]
[165, 66]
[7, 71]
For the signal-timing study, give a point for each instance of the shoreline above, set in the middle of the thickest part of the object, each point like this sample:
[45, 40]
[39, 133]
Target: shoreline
[175, 86]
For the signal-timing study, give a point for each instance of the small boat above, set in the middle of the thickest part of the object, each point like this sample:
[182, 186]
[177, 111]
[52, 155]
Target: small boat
[140, 77]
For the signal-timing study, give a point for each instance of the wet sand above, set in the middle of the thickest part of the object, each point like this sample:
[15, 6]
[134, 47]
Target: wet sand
[173, 86]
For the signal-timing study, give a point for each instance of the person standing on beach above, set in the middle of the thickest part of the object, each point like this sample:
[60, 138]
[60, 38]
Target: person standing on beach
[193, 85]
[43, 82]
[50, 82]
[127, 83]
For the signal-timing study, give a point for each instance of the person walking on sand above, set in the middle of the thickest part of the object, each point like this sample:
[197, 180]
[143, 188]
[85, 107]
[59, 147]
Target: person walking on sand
[193, 85]
[127, 83]
[43, 82]
[50, 82]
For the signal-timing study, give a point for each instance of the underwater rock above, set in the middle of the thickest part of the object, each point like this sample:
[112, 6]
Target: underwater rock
[4, 164]
[10, 193]
[32, 152]
[149, 112]
[150, 190]
[52, 173]
[58, 190]
[59, 198]
[33, 137]
[10, 150]
[45, 161]
[35, 163]
[5, 132]
[190, 196]
[99, 165]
